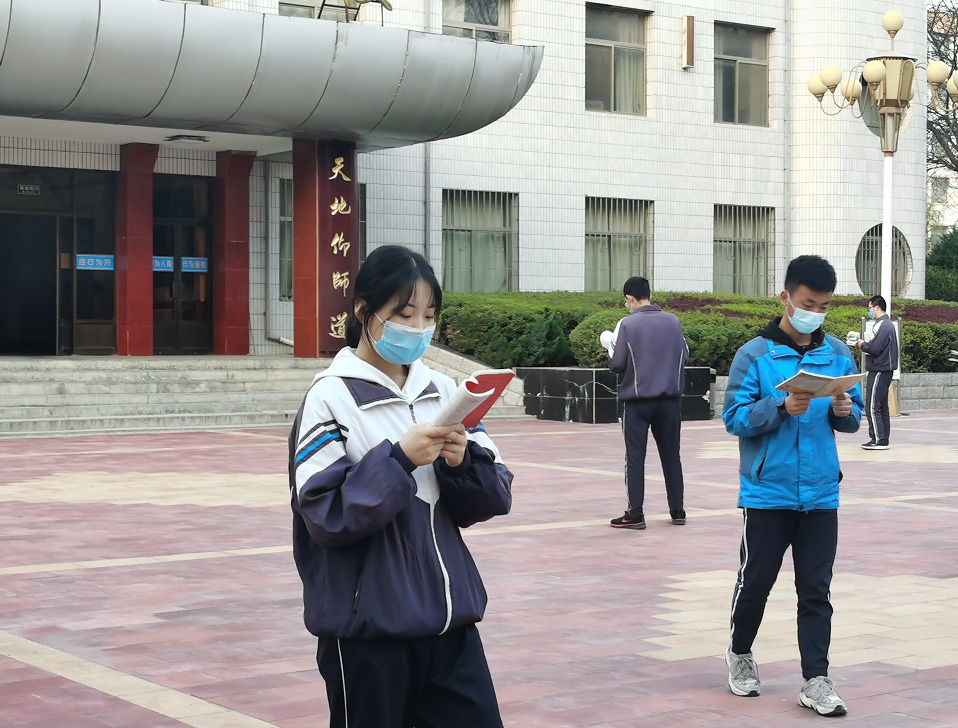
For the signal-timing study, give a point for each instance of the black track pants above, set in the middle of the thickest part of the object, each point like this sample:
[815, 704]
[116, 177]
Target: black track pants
[664, 416]
[813, 536]
[876, 405]
[427, 682]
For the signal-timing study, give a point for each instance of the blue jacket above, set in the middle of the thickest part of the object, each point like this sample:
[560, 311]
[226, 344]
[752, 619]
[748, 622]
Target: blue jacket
[787, 462]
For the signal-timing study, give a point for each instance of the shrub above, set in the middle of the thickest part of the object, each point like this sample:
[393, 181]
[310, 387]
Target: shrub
[562, 329]
[585, 337]
[941, 283]
[945, 253]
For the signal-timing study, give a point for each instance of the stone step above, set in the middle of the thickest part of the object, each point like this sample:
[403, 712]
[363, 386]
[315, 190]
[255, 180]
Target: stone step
[282, 403]
[63, 392]
[39, 427]
[19, 365]
[134, 376]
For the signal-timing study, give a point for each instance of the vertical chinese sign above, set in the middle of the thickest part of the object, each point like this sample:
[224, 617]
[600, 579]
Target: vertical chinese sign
[325, 250]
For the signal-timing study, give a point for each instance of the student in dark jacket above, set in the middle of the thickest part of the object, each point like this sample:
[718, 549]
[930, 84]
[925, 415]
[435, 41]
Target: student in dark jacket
[882, 362]
[650, 352]
[378, 498]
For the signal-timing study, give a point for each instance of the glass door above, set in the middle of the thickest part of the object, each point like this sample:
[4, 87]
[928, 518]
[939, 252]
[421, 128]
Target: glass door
[182, 302]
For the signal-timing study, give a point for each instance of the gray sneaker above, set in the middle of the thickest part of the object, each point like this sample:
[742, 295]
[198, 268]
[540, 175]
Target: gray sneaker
[743, 676]
[819, 695]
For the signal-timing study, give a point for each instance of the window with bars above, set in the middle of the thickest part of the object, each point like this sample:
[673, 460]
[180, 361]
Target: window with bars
[868, 262]
[318, 9]
[479, 19]
[741, 75]
[614, 60]
[361, 204]
[939, 190]
[286, 239]
[618, 242]
[743, 244]
[479, 241]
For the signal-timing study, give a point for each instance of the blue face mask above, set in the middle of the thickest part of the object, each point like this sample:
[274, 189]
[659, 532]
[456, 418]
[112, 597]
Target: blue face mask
[871, 314]
[402, 344]
[805, 322]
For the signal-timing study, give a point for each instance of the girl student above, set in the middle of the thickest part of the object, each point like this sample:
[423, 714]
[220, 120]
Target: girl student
[378, 498]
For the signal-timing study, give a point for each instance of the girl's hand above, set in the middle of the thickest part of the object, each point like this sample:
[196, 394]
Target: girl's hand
[454, 449]
[423, 443]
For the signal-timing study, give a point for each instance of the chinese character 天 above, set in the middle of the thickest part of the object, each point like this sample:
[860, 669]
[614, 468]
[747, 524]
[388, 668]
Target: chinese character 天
[338, 170]
[339, 207]
[341, 280]
[337, 326]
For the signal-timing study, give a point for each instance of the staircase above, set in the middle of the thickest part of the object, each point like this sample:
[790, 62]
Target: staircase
[78, 395]
[124, 394]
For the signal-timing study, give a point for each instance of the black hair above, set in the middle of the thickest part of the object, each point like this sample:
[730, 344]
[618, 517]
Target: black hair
[878, 302]
[812, 271]
[389, 272]
[637, 287]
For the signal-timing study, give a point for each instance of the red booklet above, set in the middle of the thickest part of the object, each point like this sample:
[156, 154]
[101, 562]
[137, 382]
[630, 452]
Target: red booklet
[474, 398]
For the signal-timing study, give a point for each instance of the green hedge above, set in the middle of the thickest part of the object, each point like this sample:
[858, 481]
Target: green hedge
[562, 329]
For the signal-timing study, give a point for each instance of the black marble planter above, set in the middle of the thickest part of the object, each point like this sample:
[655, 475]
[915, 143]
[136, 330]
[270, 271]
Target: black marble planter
[590, 395]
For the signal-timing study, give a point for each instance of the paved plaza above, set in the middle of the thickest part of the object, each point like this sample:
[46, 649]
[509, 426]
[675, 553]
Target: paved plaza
[146, 581]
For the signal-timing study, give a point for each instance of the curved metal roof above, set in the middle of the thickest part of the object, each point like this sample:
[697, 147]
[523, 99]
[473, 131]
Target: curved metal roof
[170, 65]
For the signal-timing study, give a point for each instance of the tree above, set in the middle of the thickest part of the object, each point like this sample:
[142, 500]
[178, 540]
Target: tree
[943, 46]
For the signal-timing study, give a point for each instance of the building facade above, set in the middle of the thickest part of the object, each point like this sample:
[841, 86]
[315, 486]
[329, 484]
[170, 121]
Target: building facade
[676, 141]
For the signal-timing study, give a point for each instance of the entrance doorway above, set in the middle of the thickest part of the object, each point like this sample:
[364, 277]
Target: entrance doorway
[28, 284]
[182, 243]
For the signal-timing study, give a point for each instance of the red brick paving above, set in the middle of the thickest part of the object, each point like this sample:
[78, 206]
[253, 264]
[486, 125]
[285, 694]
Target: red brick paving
[569, 608]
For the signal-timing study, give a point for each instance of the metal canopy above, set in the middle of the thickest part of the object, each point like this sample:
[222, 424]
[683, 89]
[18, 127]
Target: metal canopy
[170, 65]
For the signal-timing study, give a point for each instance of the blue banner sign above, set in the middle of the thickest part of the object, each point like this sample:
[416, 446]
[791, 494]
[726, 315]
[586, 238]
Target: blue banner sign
[163, 264]
[94, 262]
[195, 265]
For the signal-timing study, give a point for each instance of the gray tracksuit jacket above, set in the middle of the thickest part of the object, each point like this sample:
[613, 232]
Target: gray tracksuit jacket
[882, 350]
[650, 353]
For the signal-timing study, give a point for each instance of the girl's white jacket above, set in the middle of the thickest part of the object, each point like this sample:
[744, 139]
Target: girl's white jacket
[376, 539]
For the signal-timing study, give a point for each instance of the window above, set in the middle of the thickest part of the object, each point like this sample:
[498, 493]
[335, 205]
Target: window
[479, 19]
[939, 190]
[479, 241]
[741, 75]
[868, 262]
[286, 240]
[618, 242]
[743, 241]
[328, 10]
[362, 223]
[614, 60]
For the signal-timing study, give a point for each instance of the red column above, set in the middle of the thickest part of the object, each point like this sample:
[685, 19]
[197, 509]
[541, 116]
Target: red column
[134, 250]
[325, 240]
[231, 253]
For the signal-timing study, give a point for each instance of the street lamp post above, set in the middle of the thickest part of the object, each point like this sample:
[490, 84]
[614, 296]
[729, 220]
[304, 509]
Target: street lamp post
[883, 88]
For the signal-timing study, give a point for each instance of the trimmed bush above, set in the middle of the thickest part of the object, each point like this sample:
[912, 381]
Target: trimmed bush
[945, 253]
[941, 284]
[562, 329]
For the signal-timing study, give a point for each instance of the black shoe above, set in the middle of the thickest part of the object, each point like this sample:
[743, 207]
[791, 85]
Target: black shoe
[678, 517]
[630, 519]
[868, 445]
[880, 445]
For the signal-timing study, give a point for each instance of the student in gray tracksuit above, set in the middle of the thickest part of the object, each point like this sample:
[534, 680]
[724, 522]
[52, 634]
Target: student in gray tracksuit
[882, 362]
[650, 353]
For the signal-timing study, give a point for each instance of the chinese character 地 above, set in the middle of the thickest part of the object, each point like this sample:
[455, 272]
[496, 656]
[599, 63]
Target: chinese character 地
[339, 244]
[339, 207]
[337, 326]
[341, 280]
[338, 170]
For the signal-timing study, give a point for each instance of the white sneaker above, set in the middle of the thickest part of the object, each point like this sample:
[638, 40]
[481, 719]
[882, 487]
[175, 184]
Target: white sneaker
[743, 676]
[819, 694]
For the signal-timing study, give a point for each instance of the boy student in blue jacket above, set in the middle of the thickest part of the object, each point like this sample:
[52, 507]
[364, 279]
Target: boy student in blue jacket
[378, 498]
[789, 476]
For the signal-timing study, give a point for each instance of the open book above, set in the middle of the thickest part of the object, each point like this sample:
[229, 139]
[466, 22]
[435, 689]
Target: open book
[820, 385]
[474, 398]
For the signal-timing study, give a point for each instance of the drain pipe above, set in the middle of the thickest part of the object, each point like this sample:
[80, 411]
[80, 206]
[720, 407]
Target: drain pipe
[267, 176]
